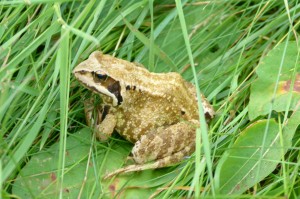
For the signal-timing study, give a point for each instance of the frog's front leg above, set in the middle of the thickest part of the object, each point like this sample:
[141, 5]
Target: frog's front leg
[162, 147]
[100, 119]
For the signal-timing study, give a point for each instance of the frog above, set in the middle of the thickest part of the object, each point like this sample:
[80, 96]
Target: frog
[156, 112]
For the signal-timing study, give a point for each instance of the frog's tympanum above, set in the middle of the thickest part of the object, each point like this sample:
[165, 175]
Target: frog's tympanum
[157, 112]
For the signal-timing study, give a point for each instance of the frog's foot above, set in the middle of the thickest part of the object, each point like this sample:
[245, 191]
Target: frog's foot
[99, 118]
[164, 162]
[106, 127]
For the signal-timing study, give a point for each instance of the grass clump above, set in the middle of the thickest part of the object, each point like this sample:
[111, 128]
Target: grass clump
[217, 45]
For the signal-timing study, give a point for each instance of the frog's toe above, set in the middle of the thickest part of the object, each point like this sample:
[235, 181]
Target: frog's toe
[128, 169]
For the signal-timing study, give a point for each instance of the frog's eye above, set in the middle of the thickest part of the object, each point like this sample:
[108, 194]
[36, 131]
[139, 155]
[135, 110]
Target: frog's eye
[101, 76]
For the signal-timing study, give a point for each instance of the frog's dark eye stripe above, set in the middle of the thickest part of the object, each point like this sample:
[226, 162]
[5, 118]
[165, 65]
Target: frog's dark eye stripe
[115, 89]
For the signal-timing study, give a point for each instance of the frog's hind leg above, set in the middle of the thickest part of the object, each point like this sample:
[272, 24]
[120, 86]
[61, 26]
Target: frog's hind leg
[164, 162]
[162, 147]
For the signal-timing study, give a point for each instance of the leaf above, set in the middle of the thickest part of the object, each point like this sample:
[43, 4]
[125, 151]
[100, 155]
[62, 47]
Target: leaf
[38, 178]
[281, 61]
[254, 156]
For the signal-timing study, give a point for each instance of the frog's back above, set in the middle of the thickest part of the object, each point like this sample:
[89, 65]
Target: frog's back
[161, 100]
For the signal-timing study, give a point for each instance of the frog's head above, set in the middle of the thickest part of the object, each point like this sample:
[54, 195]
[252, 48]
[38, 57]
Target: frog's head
[95, 74]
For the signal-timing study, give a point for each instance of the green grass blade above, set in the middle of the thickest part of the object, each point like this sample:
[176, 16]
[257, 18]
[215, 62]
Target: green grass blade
[202, 132]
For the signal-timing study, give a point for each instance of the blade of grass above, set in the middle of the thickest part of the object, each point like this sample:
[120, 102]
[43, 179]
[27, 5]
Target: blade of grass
[63, 65]
[156, 50]
[84, 43]
[151, 40]
[202, 132]
[128, 44]
[28, 140]
[111, 25]
[11, 66]
[161, 26]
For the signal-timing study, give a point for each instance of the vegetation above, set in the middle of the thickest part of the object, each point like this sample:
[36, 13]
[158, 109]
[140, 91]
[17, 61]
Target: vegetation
[242, 55]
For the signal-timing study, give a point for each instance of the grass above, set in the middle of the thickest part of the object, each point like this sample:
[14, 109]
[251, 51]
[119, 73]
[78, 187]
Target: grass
[217, 45]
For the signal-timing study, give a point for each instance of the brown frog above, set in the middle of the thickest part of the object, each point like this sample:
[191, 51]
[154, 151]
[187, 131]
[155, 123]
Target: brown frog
[157, 112]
